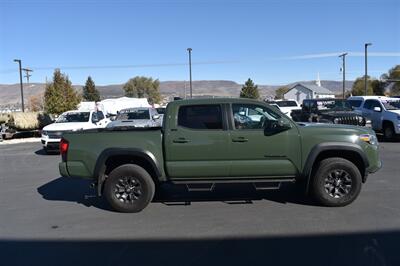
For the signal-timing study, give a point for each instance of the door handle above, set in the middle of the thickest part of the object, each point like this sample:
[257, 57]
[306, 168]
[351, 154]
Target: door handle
[180, 140]
[240, 139]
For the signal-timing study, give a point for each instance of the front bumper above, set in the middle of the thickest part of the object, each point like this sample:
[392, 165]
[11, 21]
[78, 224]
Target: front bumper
[50, 144]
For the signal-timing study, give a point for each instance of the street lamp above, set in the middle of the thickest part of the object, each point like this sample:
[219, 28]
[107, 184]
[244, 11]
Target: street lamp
[20, 81]
[343, 56]
[366, 66]
[190, 71]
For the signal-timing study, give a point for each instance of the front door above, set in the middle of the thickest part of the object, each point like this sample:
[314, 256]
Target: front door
[255, 152]
[198, 145]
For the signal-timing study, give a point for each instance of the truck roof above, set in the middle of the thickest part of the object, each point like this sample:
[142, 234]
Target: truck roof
[215, 101]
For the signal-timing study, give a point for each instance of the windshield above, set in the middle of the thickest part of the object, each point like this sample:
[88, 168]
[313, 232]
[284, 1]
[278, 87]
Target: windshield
[391, 104]
[74, 117]
[334, 105]
[133, 115]
[286, 103]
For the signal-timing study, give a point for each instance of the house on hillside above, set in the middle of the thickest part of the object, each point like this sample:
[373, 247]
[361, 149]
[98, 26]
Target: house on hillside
[302, 91]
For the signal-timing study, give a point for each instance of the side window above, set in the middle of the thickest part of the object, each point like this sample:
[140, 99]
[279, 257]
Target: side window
[375, 103]
[94, 117]
[250, 116]
[370, 104]
[306, 106]
[200, 117]
[100, 115]
[355, 103]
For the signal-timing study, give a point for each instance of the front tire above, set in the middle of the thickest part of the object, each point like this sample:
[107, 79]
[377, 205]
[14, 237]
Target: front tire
[388, 132]
[337, 182]
[129, 188]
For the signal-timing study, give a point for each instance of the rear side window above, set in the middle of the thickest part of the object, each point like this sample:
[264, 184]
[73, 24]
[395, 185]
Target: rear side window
[200, 117]
[355, 103]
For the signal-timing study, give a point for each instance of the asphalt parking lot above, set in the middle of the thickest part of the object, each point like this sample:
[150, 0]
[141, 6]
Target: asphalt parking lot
[53, 220]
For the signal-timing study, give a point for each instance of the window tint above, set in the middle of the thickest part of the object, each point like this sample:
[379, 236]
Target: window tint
[249, 116]
[100, 115]
[370, 104]
[200, 117]
[286, 103]
[355, 103]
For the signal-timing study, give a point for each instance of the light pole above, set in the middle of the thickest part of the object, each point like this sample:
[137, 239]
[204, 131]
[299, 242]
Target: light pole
[190, 71]
[366, 66]
[343, 56]
[20, 81]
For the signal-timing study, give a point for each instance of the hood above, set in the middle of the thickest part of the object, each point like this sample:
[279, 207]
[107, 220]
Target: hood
[394, 111]
[66, 126]
[333, 127]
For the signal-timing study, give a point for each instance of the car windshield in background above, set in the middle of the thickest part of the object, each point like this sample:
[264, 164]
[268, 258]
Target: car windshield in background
[355, 103]
[133, 115]
[74, 117]
[286, 103]
[391, 105]
[334, 105]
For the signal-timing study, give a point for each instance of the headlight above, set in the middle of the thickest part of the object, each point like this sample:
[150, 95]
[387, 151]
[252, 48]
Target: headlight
[371, 139]
[337, 120]
[360, 119]
[44, 133]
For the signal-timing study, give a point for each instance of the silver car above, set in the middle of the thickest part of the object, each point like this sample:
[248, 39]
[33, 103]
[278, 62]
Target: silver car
[137, 117]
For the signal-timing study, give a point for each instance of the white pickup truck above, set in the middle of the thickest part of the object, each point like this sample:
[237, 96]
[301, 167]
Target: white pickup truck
[384, 113]
[71, 121]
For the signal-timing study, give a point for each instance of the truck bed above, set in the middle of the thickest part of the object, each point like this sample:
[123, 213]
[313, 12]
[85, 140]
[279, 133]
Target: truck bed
[87, 146]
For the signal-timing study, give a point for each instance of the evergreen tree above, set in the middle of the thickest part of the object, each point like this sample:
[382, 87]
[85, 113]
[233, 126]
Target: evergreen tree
[143, 87]
[89, 92]
[250, 90]
[59, 95]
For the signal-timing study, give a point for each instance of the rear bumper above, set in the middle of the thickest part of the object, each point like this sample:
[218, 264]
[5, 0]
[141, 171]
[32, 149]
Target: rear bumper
[62, 167]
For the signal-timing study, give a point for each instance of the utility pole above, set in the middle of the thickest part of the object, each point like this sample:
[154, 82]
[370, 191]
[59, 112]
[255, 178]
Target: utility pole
[20, 81]
[366, 66]
[190, 71]
[27, 75]
[343, 56]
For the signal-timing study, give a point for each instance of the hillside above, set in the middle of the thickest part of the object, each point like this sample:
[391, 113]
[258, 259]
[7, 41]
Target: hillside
[10, 93]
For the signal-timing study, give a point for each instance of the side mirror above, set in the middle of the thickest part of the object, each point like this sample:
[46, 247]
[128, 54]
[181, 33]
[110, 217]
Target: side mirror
[273, 127]
[377, 109]
[155, 117]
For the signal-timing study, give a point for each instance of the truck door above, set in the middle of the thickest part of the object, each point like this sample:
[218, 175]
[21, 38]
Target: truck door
[197, 144]
[263, 143]
[374, 116]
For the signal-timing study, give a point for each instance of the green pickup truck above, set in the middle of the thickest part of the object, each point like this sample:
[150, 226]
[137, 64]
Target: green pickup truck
[204, 142]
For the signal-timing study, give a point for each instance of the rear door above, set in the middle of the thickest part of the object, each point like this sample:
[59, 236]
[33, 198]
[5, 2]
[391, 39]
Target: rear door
[198, 144]
[254, 152]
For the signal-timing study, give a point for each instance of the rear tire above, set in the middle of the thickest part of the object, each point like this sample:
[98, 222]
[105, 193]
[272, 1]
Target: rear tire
[337, 182]
[129, 188]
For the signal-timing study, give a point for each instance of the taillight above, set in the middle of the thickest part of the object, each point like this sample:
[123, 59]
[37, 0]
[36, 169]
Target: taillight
[64, 149]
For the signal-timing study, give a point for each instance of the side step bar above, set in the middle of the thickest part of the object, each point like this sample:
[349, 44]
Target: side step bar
[209, 184]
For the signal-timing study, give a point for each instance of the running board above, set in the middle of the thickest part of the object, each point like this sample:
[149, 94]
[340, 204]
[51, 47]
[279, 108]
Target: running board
[257, 180]
[200, 187]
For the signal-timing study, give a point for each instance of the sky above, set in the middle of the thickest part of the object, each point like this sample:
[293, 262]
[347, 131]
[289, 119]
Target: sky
[272, 42]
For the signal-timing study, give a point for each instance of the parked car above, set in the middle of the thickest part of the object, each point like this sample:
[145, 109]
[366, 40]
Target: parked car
[333, 111]
[71, 121]
[204, 142]
[287, 106]
[137, 117]
[384, 113]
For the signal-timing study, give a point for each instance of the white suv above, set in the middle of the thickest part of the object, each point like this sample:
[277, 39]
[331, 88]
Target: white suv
[71, 121]
[384, 113]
